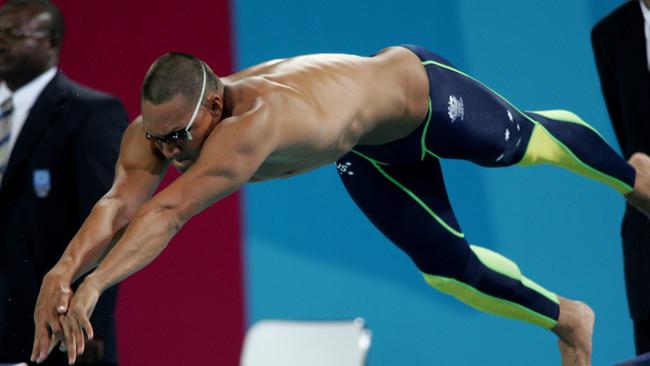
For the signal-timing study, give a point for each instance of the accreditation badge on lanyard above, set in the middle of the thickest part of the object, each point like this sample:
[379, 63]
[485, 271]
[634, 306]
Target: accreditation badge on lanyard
[42, 182]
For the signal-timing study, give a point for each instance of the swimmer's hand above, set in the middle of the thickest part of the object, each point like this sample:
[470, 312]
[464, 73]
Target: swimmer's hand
[77, 320]
[53, 300]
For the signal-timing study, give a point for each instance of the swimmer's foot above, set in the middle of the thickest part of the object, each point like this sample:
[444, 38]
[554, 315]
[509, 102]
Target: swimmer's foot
[574, 329]
[640, 196]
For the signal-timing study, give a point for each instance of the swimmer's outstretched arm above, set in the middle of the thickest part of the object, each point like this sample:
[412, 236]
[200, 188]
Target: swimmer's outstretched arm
[229, 158]
[138, 172]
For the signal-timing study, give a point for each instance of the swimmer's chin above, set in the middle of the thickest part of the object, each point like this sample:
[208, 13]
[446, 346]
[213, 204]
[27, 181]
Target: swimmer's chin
[182, 166]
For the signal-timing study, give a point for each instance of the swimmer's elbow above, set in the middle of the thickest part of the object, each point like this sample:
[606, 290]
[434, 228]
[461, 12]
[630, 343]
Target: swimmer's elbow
[174, 220]
[115, 207]
[168, 214]
[165, 217]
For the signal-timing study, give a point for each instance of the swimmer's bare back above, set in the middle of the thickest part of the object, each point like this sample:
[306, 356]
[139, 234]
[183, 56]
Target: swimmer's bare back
[316, 108]
[306, 111]
[320, 106]
[310, 110]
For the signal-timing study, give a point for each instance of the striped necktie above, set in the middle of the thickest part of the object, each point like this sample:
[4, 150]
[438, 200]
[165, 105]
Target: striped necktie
[6, 108]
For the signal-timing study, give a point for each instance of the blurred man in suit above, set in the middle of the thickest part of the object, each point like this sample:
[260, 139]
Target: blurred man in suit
[58, 145]
[620, 43]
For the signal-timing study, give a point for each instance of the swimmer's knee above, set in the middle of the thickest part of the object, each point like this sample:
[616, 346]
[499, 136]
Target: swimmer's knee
[504, 266]
[488, 260]
[497, 262]
[563, 115]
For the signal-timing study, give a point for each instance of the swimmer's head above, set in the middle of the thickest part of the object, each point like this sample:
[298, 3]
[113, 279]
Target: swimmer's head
[182, 101]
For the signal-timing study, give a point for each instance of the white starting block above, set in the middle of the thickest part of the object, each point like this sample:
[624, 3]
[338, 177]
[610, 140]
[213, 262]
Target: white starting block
[300, 343]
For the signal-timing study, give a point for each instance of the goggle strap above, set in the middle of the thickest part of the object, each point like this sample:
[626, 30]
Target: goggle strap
[198, 104]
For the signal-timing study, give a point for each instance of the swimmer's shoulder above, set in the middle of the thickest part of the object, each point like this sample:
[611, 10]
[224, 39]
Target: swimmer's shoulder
[256, 70]
[137, 121]
[283, 66]
[276, 65]
[135, 127]
[259, 93]
[134, 141]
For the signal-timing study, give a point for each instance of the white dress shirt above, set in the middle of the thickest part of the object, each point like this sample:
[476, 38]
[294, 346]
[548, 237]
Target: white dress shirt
[646, 30]
[23, 99]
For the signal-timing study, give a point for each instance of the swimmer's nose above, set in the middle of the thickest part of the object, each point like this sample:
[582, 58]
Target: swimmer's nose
[171, 151]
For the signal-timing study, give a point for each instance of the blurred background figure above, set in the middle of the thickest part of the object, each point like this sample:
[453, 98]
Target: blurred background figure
[58, 146]
[620, 42]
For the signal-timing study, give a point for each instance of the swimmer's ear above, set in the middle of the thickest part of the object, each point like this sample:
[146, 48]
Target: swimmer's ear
[215, 104]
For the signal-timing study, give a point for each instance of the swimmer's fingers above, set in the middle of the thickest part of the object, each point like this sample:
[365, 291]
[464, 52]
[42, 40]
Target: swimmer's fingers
[75, 325]
[69, 325]
[79, 335]
[41, 338]
[54, 340]
[78, 317]
[56, 331]
[83, 325]
[88, 328]
[45, 338]
[53, 299]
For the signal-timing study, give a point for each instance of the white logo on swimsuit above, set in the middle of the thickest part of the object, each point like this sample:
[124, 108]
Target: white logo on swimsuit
[344, 168]
[456, 108]
[512, 119]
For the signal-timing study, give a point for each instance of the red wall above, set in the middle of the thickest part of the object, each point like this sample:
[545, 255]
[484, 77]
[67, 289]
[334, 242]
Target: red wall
[186, 307]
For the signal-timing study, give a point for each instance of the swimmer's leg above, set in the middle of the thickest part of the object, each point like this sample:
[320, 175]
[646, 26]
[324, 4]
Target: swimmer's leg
[409, 204]
[562, 138]
[469, 121]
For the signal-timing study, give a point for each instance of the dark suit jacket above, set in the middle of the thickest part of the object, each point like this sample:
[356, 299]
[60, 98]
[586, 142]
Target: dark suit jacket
[620, 50]
[62, 163]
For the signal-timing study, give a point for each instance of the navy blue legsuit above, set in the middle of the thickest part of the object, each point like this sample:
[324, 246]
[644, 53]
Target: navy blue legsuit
[399, 186]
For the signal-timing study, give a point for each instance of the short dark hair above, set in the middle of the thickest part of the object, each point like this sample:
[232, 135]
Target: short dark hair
[177, 73]
[56, 26]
